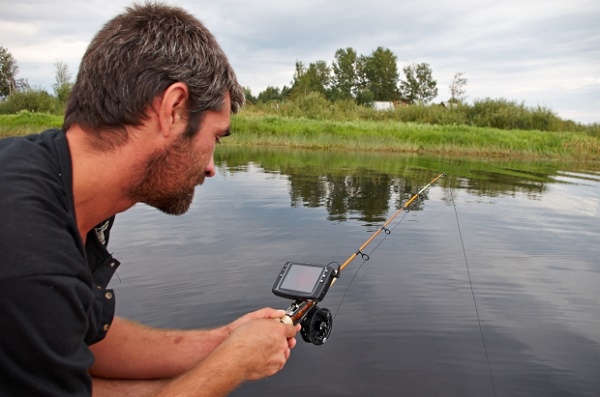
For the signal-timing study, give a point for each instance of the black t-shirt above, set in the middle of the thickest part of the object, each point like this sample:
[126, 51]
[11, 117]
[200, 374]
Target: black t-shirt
[53, 296]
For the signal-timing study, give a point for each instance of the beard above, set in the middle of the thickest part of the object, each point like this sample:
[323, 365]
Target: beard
[169, 179]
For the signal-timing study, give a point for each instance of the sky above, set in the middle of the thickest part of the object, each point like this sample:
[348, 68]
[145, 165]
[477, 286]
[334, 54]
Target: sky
[539, 53]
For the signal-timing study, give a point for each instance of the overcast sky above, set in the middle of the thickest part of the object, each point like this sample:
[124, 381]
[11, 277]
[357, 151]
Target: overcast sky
[540, 52]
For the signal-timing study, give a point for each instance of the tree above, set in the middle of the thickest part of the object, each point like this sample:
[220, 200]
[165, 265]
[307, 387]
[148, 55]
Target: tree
[63, 85]
[248, 95]
[315, 78]
[344, 83]
[419, 85]
[378, 74]
[269, 94]
[8, 73]
[458, 88]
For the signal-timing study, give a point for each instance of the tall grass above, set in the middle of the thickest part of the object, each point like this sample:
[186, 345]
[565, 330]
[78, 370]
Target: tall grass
[26, 122]
[394, 136]
[495, 113]
[340, 129]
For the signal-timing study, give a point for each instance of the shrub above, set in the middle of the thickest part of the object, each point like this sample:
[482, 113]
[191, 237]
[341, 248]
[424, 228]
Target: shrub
[31, 100]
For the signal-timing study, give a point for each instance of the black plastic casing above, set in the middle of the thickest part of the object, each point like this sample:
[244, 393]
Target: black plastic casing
[303, 281]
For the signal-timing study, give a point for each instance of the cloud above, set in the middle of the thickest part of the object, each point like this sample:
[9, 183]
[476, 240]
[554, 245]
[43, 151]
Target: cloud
[539, 52]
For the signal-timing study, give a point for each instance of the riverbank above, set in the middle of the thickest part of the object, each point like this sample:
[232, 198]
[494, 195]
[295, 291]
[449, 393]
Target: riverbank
[374, 136]
[389, 136]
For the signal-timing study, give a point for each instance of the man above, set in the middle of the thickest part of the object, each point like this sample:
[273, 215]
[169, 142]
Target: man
[153, 96]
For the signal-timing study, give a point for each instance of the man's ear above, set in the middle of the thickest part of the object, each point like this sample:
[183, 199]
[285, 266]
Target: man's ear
[172, 109]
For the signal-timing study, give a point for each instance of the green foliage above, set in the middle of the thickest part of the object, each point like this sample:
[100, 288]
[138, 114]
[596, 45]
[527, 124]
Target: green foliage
[313, 104]
[250, 99]
[379, 74]
[270, 94]
[494, 113]
[315, 78]
[347, 126]
[389, 136]
[62, 93]
[419, 86]
[26, 122]
[31, 100]
[344, 83]
[63, 85]
[505, 114]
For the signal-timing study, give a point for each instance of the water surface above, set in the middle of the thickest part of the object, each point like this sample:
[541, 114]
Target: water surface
[405, 321]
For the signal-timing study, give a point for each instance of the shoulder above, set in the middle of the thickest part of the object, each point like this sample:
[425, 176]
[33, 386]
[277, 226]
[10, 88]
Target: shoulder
[37, 218]
[33, 163]
[12, 148]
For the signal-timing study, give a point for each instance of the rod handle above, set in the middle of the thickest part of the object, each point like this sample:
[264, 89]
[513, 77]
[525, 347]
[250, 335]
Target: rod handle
[287, 320]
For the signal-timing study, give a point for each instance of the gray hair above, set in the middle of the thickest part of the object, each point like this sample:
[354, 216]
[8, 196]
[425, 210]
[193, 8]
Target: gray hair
[135, 57]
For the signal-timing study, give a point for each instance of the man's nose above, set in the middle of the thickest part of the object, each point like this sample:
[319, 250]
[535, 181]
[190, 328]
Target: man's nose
[210, 171]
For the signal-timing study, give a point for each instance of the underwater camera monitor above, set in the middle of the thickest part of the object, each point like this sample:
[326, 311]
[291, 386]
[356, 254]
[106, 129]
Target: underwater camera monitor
[303, 281]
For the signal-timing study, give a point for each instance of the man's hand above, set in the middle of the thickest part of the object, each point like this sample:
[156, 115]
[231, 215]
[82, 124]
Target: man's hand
[261, 345]
[265, 313]
[208, 362]
[258, 346]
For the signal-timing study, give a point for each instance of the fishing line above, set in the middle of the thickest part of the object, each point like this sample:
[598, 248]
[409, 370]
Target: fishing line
[366, 258]
[473, 293]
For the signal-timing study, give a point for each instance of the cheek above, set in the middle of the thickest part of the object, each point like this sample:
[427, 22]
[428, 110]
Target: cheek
[200, 158]
[204, 151]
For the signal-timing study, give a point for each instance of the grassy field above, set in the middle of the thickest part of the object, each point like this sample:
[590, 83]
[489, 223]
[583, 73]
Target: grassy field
[374, 136]
[25, 123]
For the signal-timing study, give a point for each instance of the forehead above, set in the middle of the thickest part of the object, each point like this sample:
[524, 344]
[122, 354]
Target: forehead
[219, 119]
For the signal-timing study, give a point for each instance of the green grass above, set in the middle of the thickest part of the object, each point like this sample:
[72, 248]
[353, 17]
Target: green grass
[25, 123]
[390, 136]
[250, 129]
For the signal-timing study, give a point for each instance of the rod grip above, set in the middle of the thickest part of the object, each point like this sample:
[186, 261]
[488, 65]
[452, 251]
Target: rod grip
[287, 320]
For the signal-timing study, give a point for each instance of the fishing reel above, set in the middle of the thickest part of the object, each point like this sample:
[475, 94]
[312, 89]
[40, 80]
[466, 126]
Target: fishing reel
[307, 284]
[316, 326]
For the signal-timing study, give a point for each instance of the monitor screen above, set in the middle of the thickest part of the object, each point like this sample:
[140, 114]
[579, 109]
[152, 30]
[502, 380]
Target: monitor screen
[302, 278]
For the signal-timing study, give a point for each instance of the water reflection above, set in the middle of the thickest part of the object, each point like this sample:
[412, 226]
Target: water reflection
[405, 323]
[343, 182]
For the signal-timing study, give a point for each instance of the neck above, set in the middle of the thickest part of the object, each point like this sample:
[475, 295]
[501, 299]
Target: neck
[100, 181]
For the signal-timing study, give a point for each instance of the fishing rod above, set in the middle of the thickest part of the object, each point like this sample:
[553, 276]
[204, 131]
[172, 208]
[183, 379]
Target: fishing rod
[307, 284]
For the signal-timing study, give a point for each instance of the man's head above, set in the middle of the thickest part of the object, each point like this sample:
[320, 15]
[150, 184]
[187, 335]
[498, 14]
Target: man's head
[134, 58]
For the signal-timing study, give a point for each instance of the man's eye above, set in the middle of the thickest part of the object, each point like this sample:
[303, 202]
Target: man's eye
[218, 139]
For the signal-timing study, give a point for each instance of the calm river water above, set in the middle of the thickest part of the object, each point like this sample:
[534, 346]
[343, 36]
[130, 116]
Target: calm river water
[405, 321]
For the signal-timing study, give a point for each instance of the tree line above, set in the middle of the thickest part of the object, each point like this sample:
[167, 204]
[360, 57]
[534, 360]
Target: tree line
[343, 89]
[17, 94]
[364, 79]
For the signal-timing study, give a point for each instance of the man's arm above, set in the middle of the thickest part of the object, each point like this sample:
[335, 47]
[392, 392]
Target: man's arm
[134, 351]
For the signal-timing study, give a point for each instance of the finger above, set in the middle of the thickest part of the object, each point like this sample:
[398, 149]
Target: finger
[268, 313]
[291, 343]
[278, 313]
[290, 331]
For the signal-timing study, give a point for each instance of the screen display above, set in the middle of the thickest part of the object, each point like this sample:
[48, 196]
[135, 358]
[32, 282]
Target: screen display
[301, 278]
